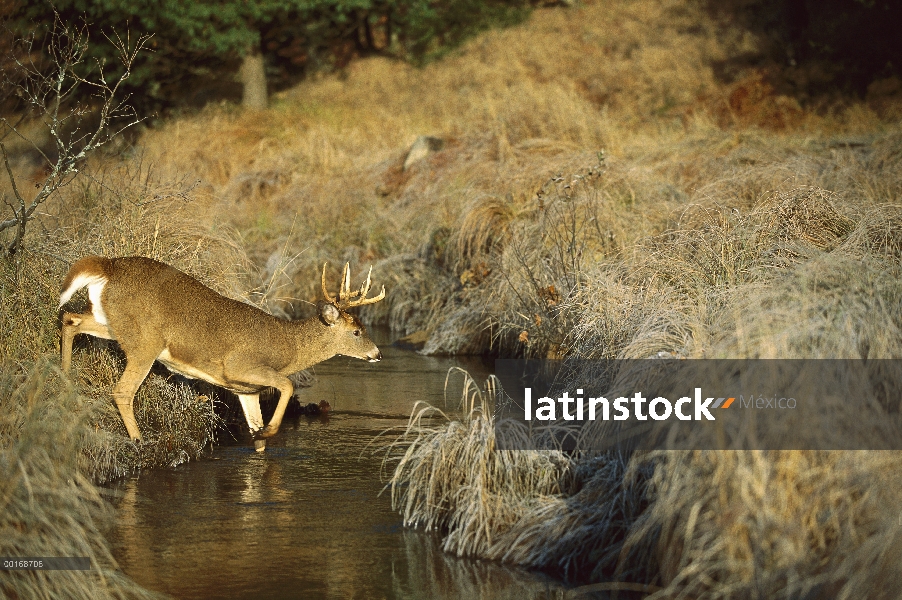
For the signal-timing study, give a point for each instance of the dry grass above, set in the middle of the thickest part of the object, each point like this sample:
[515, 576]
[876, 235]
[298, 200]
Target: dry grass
[450, 477]
[717, 244]
[721, 220]
[775, 524]
[318, 177]
[48, 506]
[801, 273]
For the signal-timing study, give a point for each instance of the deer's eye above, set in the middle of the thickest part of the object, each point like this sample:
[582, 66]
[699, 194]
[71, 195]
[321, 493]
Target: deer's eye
[357, 332]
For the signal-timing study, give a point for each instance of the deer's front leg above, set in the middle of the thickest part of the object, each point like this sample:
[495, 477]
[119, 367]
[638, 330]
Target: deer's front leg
[263, 377]
[286, 389]
[250, 404]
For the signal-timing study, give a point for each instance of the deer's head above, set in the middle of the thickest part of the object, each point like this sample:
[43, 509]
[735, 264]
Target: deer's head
[350, 334]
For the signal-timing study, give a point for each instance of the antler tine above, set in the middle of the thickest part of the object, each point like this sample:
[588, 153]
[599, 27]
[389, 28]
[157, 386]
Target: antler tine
[372, 300]
[365, 288]
[325, 291]
[345, 292]
[346, 296]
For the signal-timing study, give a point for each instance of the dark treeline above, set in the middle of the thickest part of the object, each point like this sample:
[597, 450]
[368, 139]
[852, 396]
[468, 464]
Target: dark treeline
[814, 48]
[208, 49]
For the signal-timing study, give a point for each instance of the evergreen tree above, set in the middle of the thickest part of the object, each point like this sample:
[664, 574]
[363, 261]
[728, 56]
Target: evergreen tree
[192, 38]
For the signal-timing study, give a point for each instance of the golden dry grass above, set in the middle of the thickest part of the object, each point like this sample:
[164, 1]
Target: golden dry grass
[600, 194]
[775, 524]
[48, 506]
[318, 175]
[119, 209]
[800, 273]
[450, 476]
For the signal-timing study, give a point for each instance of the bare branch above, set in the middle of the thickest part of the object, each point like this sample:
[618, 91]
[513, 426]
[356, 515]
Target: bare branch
[50, 93]
[25, 138]
[12, 128]
[12, 180]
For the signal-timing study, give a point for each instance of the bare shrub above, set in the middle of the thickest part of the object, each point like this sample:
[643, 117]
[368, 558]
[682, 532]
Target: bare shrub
[52, 96]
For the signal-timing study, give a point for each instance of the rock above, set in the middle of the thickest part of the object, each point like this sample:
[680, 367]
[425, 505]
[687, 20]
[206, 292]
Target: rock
[317, 410]
[422, 147]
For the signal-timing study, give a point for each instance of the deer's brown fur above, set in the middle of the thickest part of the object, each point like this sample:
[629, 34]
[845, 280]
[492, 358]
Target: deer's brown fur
[157, 312]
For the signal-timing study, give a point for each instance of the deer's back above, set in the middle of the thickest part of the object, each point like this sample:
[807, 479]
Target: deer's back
[145, 298]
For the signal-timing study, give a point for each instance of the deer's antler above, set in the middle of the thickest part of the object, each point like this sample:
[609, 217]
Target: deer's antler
[346, 296]
[329, 298]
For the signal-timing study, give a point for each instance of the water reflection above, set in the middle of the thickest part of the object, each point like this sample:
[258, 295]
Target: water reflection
[430, 573]
[391, 386]
[305, 518]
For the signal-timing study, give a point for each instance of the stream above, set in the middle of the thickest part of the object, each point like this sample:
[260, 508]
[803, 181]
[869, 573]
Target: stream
[308, 518]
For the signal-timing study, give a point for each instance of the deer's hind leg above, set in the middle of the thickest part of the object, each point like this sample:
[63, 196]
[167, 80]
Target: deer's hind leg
[137, 367]
[73, 324]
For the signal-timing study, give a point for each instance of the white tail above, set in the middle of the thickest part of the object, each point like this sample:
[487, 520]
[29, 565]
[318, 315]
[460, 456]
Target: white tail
[94, 282]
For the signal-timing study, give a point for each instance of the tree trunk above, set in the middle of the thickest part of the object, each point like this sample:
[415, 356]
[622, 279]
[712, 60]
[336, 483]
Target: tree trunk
[253, 77]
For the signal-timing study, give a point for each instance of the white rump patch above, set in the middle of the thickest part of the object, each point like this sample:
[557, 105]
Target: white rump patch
[80, 282]
[94, 290]
[95, 284]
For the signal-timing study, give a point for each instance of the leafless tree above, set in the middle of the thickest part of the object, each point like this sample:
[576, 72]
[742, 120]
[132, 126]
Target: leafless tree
[76, 98]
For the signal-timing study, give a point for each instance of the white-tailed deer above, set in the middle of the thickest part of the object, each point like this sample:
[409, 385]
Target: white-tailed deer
[156, 312]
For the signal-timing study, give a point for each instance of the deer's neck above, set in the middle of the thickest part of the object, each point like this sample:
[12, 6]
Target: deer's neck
[315, 342]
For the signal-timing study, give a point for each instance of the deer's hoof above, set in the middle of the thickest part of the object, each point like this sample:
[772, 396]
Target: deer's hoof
[259, 445]
[268, 432]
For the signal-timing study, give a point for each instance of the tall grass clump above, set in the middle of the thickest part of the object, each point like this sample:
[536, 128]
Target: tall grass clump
[49, 506]
[785, 524]
[177, 423]
[450, 476]
[515, 263]
[117, 210]
[798, 273]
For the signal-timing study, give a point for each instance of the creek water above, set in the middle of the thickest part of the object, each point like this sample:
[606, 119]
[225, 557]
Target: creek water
[306, 518]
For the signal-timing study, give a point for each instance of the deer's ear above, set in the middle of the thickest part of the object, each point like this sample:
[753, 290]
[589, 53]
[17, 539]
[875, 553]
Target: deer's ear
[329, 313]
